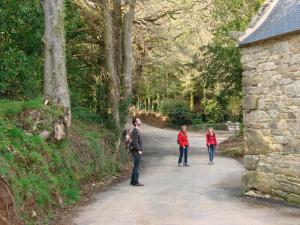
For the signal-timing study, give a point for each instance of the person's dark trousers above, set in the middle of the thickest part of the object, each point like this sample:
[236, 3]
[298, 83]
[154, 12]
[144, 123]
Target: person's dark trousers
[136, 168]
[183, 152]
[211, 152]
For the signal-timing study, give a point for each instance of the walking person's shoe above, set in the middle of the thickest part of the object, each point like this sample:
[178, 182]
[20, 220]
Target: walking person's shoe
[179, 164]
[209, 163]
[138, 185]
[186, 164]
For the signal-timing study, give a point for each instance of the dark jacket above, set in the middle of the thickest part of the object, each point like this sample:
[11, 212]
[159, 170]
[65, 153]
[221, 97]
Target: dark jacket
[136, 141]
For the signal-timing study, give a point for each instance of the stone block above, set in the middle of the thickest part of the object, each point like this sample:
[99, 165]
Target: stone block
[258, 116]
[296, 188]
[290, 172]
[256, 143]
[265, 167]
[297, 101]
[275, 184]
[256, 180]
[251, 161]
[277, 193]
[293, 198]
[281, 47]
[286, 187]
[285, 81]
[297, 86]
[249, 81]
[281, 139]
[291, 90]
[250, 102]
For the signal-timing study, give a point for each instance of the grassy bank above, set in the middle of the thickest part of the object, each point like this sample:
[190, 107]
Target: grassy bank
[47, 175]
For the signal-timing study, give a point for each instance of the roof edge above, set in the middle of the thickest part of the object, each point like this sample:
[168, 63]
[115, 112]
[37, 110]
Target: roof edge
[269, 38]
[258, 20]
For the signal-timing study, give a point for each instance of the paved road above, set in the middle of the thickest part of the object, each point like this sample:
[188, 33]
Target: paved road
[196, 195]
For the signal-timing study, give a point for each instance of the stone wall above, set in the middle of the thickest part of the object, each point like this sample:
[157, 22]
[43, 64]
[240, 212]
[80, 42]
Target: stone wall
[271, 81]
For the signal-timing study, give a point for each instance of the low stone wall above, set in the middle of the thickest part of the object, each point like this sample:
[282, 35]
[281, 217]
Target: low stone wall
[275, 174]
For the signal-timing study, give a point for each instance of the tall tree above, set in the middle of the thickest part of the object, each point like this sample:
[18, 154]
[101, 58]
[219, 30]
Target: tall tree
[110, 62]
[127, 45]
[118, 52]
[55, 78]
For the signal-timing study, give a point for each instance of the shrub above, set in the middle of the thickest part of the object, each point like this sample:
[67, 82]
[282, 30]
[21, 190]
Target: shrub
[234, 108]
[197, 118]
[86, 115]
[177, 110]
[213, 110]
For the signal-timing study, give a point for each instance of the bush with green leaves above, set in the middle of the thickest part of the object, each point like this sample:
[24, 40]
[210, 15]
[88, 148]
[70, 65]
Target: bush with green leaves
[21, 63]
[234, 108]
[177, 110]
[213, 110]
[197, 118]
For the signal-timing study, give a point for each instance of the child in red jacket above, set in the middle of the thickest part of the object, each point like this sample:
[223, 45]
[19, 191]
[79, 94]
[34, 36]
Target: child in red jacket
[211, 141]
[183, 145]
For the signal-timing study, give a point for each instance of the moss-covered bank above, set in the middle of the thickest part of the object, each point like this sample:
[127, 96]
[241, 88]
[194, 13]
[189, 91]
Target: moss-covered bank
[46, 175]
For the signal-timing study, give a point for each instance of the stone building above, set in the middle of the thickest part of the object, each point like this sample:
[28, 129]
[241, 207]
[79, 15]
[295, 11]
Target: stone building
[270, 51]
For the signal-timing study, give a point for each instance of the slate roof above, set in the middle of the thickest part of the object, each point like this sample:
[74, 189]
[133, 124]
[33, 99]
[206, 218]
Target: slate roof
[283, 19]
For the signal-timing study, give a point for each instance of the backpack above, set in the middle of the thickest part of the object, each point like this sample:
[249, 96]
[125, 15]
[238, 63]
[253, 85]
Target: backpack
[128, 139]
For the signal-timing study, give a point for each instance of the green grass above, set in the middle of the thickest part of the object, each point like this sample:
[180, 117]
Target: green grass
[38, 172]
[12, 108]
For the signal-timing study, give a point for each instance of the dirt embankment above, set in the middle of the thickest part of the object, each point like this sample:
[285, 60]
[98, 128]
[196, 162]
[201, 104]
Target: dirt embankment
[8, 215]
[153, 118]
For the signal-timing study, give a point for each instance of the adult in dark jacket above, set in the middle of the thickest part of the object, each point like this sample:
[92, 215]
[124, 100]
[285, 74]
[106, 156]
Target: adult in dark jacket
[136, 149]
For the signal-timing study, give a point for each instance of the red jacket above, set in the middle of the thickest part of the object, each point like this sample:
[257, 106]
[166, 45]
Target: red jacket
[183, 139]
[211, 139]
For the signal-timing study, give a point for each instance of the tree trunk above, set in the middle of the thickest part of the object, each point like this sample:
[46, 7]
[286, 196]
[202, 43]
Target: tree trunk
[138, 102]
[48, 71]
[55, 78]
[158, 103]
[127, 64]
[192, 102]
[117, 28]
[149, 104]
[110, 63]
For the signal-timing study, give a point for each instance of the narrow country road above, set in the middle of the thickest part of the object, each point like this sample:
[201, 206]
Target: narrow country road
[196, 195]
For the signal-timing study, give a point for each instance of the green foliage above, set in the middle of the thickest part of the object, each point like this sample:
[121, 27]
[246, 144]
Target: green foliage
[205, 126]
[220, 65]
[21, 45]
[234, 108]
[85, 115]
[10, 108]
[212, 110]
[234, 15]
[221, 69]
[124, 109]
[39, 172]
[21, 61]
[177, 110]
[197, 118]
